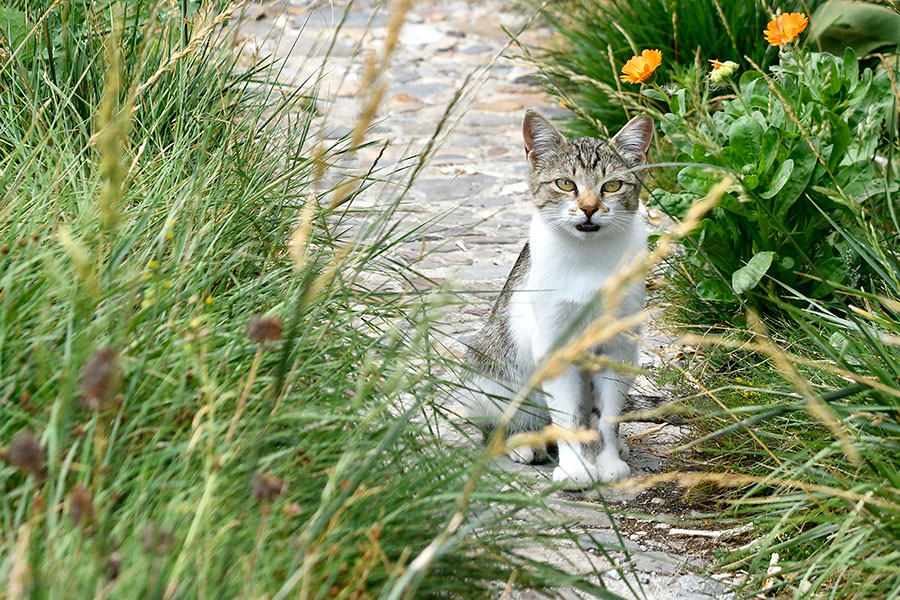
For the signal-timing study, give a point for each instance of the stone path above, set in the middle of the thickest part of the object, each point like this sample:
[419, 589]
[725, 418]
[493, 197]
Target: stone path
[476, 181]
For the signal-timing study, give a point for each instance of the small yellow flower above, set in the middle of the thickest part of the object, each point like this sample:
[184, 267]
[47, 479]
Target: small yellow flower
[152, 264]
[170, 235]
[195, 322]
[208, 300]
[640, 68]
[146, 303]
[167, 284]
[785, 28]
[145, 276]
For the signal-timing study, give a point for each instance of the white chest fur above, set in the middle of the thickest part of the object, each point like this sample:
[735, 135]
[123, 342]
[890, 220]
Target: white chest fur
[568, 270]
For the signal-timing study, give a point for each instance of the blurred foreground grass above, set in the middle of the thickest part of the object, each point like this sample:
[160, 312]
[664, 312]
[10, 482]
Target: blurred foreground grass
[199, 396]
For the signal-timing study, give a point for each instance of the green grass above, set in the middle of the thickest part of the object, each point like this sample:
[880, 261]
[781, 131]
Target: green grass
[145, 223]
[797, 415]
[807, 412]
[597, 37]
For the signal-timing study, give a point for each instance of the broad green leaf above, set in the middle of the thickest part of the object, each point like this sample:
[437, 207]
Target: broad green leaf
[832, 83]
[863, 26]
[782, 174]
[13, 26]
[731, 204]
[698, 179]
[804, 164]
[654, 94]
[673, 204]
[747, 277]
[672, 126]
[715, 247]
[714, 290]
[768, 152]
[745, 137]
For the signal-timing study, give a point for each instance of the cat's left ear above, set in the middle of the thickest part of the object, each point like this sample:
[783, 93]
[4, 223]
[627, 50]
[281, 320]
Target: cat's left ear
[633, 140]
[540, 136]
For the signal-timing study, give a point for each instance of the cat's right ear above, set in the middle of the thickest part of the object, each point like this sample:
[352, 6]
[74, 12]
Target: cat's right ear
[540, 136]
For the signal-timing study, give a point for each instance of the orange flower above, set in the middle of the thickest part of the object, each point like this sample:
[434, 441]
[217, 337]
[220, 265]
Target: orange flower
[639, 68]
[785, 28]
[716, 63]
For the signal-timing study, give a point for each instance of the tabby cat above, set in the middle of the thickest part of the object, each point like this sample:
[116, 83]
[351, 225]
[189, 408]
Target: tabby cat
[586, 225]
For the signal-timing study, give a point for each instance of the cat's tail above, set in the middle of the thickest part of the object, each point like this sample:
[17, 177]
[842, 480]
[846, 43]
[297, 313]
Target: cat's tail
[653, 409]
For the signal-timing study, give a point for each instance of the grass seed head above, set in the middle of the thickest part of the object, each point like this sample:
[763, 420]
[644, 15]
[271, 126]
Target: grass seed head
[101, 377]
[266, 487]
[264, 329]
[26, 455]
[81, 504]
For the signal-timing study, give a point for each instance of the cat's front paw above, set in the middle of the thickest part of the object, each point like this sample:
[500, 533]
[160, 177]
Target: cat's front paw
[522, 454]
[611, 468]
[577, 476]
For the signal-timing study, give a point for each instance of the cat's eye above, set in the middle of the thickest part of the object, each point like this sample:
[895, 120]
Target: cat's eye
[612, 186]
[565, 185]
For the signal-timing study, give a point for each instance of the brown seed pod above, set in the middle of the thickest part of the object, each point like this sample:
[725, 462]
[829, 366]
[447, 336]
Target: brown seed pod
[265, 487]
[81, 504]
[26, 455]
[101, 377]
[264, 329]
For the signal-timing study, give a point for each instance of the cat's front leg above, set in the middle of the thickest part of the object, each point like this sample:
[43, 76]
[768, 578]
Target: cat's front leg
[564, 401]
[566, 405]
[610, 388]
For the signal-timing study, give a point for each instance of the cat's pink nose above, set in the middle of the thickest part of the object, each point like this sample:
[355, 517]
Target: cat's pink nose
[589, 210]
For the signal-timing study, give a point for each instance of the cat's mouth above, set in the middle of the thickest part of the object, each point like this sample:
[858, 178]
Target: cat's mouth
[587, 226]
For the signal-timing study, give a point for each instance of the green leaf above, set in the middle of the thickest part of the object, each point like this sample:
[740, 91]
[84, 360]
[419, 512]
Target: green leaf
[674, 129]
[804, 164]
[748, 276]
[673, 204]
[745, 137]
[832, 83]
[782, 174]
[13, 27]
[678, 103]
[850, 68]
[714, 290]
[654, 94]
[863, 26]
[698, 179]
[768, 152]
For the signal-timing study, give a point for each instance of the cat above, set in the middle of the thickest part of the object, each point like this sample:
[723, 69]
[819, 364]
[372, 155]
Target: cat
[586, 225]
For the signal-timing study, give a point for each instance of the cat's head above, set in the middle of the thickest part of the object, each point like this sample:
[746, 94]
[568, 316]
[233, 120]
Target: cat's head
[586, 187]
